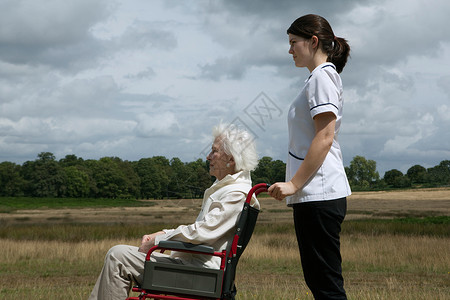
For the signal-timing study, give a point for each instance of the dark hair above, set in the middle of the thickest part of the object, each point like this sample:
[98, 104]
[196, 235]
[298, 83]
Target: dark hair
[336, 48]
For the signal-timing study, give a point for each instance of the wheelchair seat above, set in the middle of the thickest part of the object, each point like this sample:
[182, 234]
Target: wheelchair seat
[187, 282]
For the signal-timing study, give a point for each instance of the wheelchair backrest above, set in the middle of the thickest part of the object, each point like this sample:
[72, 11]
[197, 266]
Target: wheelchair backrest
[244, 230]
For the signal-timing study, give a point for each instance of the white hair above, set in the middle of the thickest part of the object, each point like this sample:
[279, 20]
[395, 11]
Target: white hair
[239, 144]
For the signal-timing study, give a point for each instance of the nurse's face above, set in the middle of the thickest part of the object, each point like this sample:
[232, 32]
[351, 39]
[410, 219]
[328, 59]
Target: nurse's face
[301, 50]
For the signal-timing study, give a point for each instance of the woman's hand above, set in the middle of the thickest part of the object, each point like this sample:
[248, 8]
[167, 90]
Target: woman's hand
[148, 241]
[281, 190]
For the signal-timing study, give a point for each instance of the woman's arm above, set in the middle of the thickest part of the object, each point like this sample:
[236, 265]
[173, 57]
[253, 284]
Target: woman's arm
[324, 124]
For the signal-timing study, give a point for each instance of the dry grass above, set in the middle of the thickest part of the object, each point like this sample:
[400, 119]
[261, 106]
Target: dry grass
[377, 267]
[50, 270]
[377, 264]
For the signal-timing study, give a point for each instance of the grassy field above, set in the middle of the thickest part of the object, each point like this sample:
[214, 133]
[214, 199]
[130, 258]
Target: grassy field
[395, 245]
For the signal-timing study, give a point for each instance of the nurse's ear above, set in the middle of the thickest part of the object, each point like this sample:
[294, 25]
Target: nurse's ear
[314, 42]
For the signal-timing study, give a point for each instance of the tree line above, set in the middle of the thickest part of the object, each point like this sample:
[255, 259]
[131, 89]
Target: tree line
[362, 175]
[158, 177]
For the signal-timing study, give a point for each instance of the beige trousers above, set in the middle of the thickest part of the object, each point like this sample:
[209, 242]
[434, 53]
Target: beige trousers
[123, 266]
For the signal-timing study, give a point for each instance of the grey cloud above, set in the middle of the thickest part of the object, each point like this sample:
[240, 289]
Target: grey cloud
[230, 68]
[391, 34]
[287, 9]
[444, 84]
[147, 35]
[34, 23]
[146, 74]
[81, 97]
[81, 87]
[259, 28]
[54, 33]
[380, 35]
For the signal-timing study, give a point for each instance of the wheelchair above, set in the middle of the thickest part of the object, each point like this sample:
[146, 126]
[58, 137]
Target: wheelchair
[180, 282]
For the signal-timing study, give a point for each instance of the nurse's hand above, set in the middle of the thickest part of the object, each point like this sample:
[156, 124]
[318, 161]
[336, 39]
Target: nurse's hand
[281, 190]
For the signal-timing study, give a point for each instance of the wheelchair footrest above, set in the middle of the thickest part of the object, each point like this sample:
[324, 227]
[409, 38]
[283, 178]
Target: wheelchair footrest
[182, 279]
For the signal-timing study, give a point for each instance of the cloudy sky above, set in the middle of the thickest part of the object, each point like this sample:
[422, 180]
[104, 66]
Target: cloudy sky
[137, 78]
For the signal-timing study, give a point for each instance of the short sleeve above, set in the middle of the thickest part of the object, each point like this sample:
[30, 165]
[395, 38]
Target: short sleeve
[323, 93]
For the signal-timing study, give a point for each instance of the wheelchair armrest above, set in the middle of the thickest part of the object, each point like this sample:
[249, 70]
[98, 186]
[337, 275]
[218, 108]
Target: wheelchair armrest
[177, 245]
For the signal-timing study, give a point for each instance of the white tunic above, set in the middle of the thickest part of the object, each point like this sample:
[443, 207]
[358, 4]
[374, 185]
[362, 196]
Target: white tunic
[322, 93]
[215, 224]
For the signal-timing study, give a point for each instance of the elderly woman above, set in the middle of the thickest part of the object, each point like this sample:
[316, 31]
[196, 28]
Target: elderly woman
[233, 156]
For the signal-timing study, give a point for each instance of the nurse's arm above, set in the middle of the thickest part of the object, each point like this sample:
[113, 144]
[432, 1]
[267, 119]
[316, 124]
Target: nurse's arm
[324, 124]
[320, 146]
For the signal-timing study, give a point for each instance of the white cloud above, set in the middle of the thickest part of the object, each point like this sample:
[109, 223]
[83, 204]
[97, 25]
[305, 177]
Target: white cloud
[158, 124]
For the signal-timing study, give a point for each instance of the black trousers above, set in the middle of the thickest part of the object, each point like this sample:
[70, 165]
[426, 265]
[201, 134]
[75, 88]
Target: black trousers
[318, 226]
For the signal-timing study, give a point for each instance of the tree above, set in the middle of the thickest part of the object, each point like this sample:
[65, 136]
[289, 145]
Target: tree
[71, 160]
[154, 178]
[391, 175]
[107, 178]
[417, 174]
[200, 179]
[402, 182]
[362, 173]
[11, 181]
[278, 171]
[45, 157]
[269, 171]
[44, 176]
[157, 177]
[440, 174]
[180, 178]
[131, 188]
[396, 179]
[77, 182]
[115, 178]
[263, 170]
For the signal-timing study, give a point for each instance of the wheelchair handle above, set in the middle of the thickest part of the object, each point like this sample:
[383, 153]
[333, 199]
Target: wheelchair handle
[259, 188]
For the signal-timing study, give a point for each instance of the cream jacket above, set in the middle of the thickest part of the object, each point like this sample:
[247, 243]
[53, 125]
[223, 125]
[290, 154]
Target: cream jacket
[215, 224]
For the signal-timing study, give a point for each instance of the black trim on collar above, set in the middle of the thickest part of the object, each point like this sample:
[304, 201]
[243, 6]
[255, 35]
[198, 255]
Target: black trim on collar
[327, 65]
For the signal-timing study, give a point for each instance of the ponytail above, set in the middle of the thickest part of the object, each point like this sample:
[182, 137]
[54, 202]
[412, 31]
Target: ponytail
[337, 49]
[339, 53]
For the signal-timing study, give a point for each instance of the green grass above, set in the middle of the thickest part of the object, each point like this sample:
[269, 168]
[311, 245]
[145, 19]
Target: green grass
[10, 204]
[431, 226]
[427, 226]
[75, 232]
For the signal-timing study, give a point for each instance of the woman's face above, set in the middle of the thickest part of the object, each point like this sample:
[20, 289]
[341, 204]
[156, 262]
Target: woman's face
[220, 163]
[300, 50]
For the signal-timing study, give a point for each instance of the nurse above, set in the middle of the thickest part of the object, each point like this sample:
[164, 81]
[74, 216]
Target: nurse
[316, 184]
